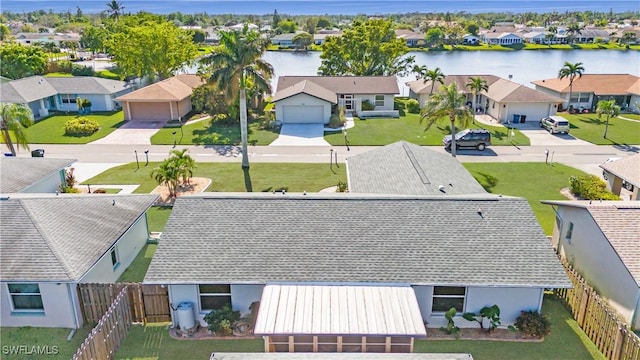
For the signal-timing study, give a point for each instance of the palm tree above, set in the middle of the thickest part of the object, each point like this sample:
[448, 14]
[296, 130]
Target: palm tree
[573, 30]
[184, 163]
[115, 8]
[476, 85]
[449, 102]
[14, 118]
[232, 64]
[570, 71]
[609, 108]
[167, 174]
[420, 70]
[434, 76]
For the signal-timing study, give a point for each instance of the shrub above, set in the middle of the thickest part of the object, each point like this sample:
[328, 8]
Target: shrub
[413, 106]
[78, 70]
[220, 321]
[590, 187]
[81, 126]
[335, 121]
[451, 328]
[533, 323]
[107, 74]
[342, 186]
[367, 105]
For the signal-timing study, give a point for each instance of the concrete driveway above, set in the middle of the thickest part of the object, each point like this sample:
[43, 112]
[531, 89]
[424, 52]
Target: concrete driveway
[132, 133]
[541, 137]
[301, 135]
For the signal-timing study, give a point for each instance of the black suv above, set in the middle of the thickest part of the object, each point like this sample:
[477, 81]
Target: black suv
[475, 138]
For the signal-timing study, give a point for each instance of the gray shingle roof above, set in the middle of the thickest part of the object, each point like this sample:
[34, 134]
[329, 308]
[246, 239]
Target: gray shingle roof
[628, 169]
[38, 87]
[405, 168]
[59, 238]
[346, 84]
[19, 173]
[26, 90]
[257, 238]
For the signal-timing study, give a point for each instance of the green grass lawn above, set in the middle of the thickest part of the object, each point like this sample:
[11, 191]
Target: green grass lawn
[532, 181]
[631, 116]
[230, 177]
[408, 128]
[32, 336]
[157, 217]
[51, 129]
[565, 342]
[590, 128]
[138, 268]
[207, 133]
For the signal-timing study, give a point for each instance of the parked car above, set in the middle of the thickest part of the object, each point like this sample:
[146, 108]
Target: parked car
[475, 138]
[555, 124]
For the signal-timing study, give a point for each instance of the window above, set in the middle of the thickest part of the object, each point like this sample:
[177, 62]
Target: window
[115, 259]
[569, 232]
[446, 297]
[68, 99]
[379, 100]
[214, 297]
[26, 297]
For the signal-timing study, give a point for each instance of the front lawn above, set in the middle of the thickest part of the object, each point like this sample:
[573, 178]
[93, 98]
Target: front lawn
[386, 131]
[229, 177]
[566, 341]
[206, 132]
[531, 180]
[53, 341]
[51, 130]
[590, 128]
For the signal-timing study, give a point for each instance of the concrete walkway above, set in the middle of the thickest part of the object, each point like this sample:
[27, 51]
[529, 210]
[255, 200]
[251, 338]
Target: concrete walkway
[301, 135]
[85, 171]
[132, 133]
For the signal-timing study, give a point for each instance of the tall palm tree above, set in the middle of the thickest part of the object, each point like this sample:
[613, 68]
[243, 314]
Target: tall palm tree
[476, 85]
[114, 9]
[572, 31]
[14, 118]
[236, 60]
[571, 71]
[420, 70]
[434, 76]
[609, 109]
[449, 102]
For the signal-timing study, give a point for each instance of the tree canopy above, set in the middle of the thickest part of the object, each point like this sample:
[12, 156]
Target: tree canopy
[14, 118]
[366, 49]
[19, 61]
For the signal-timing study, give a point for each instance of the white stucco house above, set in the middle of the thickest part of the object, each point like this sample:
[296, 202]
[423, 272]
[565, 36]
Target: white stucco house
[501, 38]
[229, 249]
[505, 101]
[312, 99]
[623, 173]
[601, 241]
[588, 89]
[44, 94]
[49, 244]
[32, 175]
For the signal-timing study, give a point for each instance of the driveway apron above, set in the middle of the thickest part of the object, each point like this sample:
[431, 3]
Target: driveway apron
[301, 135]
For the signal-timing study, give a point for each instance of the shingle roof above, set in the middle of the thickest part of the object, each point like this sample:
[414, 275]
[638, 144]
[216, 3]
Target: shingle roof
[600, 84]
[619, 221]
[175, 88]
[38, 87]
[628, 169]
[263, 237]
[405, 168]
[508, 91]
[59, 238]
[26, 90]
[346, 84]
[309, 88]
[19, 173]
[421, 87]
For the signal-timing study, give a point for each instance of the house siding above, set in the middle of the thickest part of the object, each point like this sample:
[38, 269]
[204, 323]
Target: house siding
[388, 100]
[303, 99]
[49, 184]
[591, 254]
[60, 308]
[128, 247]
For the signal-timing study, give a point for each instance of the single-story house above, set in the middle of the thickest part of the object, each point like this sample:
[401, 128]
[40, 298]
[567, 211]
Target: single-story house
[32, 175]
[312, 99]
[283, 40]
[44, 94]
[501, 38]
[591, 35]
[591, 88]
[538, 37]
[412, 38]
[409, 169]
[601, 240]
[470, 39]
[41, 38]
[624, 173]
[505, 100]
[464, 252]
[169, 99]
[320, 38]
[49, 244]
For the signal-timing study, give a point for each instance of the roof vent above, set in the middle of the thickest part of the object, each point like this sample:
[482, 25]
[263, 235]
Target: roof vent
[441, 188]
[480, 213]
[113, 202]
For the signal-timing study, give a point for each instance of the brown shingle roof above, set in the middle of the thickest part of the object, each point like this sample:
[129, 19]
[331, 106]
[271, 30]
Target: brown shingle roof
[309, 88]
[346, 84]
[628, 169]
[174, 88]
[421, 87]
[600, 84]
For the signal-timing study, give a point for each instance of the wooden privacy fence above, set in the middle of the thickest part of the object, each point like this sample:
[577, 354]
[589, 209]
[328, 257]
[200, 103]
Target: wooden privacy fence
[105, 339]
[147, 303]
[603, 326]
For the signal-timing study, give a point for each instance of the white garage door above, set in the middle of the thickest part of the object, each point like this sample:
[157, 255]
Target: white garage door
[298, 114]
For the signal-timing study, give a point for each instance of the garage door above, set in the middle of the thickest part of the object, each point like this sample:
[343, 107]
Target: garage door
[158, 111]
[296, 114]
